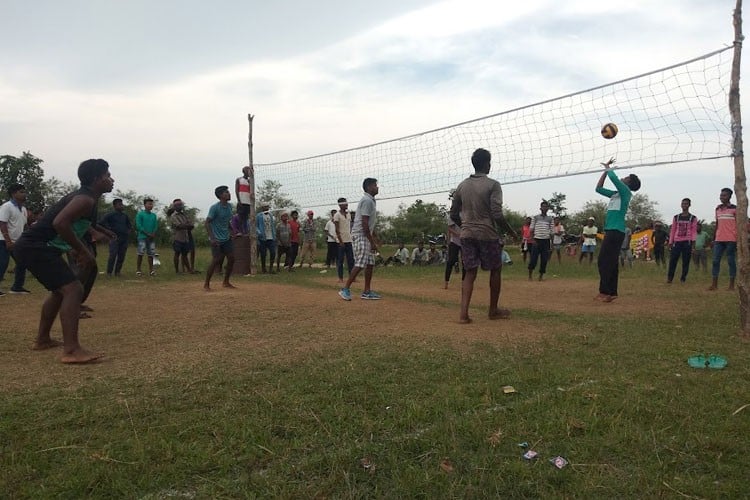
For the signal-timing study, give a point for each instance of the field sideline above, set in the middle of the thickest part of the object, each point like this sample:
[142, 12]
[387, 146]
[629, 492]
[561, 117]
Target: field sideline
[281, 389]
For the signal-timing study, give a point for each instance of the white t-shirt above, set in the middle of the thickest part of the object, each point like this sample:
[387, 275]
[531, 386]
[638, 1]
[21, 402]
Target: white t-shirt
[589, 235]
[345, 226]
[15, 218]
[331, 231]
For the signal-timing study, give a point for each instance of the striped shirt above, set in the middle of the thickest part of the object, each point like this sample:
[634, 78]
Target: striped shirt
[541, 227]
[726, 227]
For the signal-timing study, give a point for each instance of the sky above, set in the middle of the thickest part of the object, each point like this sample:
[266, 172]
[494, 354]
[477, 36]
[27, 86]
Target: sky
[162, 89]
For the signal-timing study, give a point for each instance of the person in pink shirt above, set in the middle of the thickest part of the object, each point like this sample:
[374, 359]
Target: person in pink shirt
[526, 239]
[725, 239]
[682, 240]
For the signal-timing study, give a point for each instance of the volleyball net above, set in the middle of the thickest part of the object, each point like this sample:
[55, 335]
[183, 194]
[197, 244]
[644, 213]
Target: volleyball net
[672, 115]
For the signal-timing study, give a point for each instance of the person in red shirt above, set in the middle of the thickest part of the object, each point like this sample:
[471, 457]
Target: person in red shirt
[526, 239]
[725, 240]
[294, 249]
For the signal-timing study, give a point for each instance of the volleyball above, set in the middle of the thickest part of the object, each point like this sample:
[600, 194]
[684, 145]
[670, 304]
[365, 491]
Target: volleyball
[609, 130]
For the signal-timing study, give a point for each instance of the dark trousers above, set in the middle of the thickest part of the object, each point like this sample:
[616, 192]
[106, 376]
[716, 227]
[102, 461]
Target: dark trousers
[609, 265]
[266, 246]
[117, 250]
[292, 255]
[453, 252]
[679, 249]
[333, 250]
[19, 278]
[345, 250]
[659, 253]
[540, 250]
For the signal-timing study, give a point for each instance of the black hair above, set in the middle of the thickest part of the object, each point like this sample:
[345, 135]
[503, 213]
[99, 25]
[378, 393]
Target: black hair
[14, 188]
[116, 201]
[220, 190]
[146, 200]
[687, 200]
[727, 190]
[634, 183]
[294, 212]
[342, 200]
[175, 200]
[480, 159]
[368, 182]
[90, 170]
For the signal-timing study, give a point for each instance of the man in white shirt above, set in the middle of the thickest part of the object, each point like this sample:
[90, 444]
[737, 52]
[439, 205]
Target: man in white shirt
[588, 240]
[333, 245]
[13, 219]
[400, 258]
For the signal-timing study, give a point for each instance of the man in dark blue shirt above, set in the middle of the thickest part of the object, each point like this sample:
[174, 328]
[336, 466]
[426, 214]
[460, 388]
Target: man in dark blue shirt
[118, 222]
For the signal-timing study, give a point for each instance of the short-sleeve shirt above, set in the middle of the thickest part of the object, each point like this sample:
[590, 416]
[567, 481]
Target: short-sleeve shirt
[284, 234]
[145, 222]
[345, 226]
[220, 216]
[16, 218]
[478, 202]
[557, 234]
[308, 229]
[589, 235]
[330, 231]
[700, 240]
[726, 227]
[366, 206]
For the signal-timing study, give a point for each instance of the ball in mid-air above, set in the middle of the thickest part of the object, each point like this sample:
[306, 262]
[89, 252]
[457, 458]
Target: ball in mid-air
[609, 130]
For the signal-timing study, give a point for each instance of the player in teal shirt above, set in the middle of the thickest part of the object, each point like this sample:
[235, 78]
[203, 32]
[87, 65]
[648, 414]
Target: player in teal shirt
[614, 228]
[217, 227]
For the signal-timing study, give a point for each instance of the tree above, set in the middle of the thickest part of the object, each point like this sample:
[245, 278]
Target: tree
[418, 221]
[54, 189]
[270, 192]
[26, 170]
[642, 211]
[556, 205]
[592, 208]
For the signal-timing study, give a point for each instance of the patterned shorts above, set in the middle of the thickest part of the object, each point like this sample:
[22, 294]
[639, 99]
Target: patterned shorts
[363, 256]
[487, 253]
[146, 247]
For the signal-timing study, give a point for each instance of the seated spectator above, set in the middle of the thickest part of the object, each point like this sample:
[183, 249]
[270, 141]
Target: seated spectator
[419, 255]
[433, 256]
[400, 258]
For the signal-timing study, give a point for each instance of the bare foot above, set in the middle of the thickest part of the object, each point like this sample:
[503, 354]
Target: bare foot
[228, 285]
[445, 286]
[464, 321]
[84, 315]
[601, 296]
[500, 314]
[80, 356]
[47, 344]
[86, 308]
[609, 298]
[206, 288]
[711, 289]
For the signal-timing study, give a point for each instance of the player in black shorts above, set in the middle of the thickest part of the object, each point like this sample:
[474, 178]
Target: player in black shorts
[41, 249]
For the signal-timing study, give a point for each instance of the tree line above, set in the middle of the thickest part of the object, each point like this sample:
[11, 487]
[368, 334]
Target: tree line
[419, 221]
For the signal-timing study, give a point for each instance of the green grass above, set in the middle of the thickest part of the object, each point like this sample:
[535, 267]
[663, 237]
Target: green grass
[615, 397]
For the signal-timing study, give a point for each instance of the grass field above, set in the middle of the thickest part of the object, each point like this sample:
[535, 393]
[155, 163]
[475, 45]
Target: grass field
[281, 389]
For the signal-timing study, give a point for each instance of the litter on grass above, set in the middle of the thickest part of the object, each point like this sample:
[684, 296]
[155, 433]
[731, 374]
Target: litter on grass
[710, 361]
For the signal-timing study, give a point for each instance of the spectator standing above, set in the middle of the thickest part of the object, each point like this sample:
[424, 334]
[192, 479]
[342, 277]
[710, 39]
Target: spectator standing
[283, 241]
[343, 224]
[701, 244]
[13, 219]
[331, 242]
[541, 232]
[308, 230]
[180, 223]
[558, 237]
[588, 240]
[243, 192]
[265, 229]
[682, 240]
[294, 227]
[218, 230]
[725, 240]
[146, 225]
[119, 223]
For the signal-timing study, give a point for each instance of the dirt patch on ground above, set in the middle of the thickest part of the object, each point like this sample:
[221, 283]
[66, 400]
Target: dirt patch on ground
[149, 329]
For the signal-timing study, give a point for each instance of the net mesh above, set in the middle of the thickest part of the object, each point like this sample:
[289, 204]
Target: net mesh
[672, 115]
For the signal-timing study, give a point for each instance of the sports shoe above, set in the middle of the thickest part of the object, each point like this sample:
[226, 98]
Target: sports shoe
[371, 295]
[345, 294]
[19, 291]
